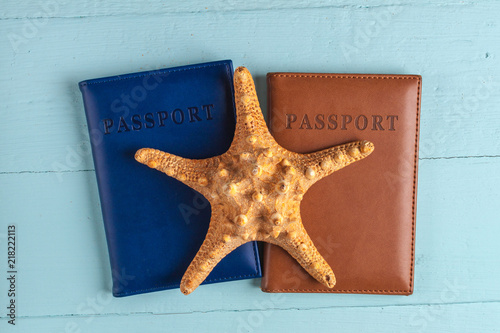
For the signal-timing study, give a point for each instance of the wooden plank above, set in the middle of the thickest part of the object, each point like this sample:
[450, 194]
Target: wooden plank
[453, 47]
[478, 317]
[64, 269]
[64, 8]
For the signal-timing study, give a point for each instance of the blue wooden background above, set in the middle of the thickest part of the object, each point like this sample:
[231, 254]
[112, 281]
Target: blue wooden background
[48, 186]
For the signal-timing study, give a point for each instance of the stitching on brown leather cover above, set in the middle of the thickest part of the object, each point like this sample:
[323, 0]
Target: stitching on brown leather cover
[417, 128]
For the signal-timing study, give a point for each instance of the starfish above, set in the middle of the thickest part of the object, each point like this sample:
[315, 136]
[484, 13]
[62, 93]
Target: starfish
[255, 189]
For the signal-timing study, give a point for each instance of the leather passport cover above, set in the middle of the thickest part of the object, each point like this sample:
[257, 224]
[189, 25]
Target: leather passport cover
[361, 218]
[155, 224]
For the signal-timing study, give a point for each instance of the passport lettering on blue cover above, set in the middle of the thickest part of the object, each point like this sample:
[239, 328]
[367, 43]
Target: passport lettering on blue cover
[154, 224]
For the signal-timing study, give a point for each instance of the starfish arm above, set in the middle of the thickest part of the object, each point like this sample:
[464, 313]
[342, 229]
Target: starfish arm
[300, 246]
[194, 173]
[324, 162]
[250, 121]
[219, 242]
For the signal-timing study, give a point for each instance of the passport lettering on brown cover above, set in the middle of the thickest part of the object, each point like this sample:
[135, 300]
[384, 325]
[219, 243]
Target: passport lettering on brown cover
[362, 218]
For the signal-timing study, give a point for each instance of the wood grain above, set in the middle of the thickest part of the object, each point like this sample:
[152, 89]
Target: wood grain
[48, 183]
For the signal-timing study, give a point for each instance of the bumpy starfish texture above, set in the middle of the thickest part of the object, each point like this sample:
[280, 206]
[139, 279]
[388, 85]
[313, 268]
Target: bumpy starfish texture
[255, 189]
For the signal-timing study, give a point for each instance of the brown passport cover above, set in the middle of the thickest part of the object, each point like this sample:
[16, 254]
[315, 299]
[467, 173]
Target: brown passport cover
[361, 218]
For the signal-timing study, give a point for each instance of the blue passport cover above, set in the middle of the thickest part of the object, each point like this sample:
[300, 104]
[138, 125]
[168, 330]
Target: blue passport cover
[155, 224]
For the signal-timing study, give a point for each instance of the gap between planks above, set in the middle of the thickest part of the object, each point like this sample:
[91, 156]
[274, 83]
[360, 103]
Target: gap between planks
[92, 170]
[111, 314]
